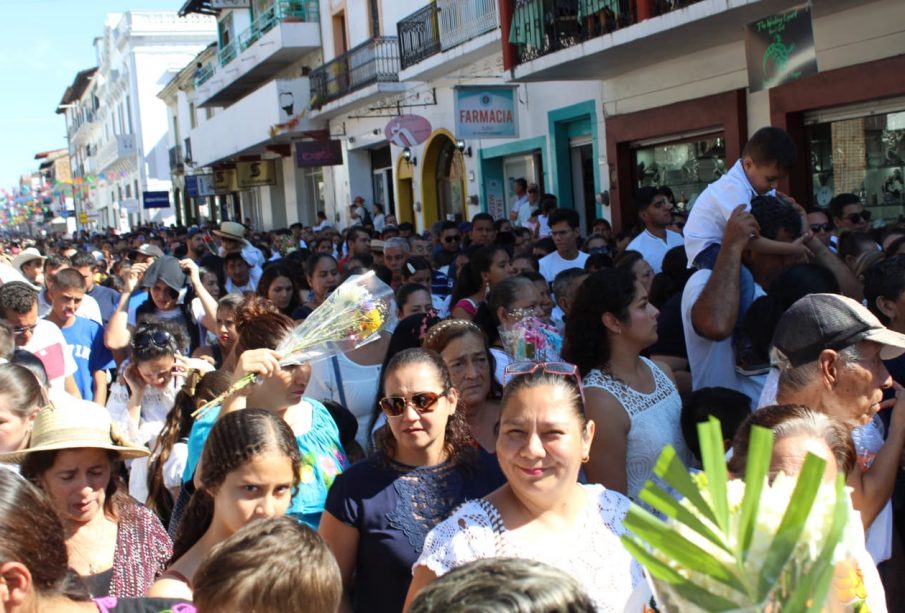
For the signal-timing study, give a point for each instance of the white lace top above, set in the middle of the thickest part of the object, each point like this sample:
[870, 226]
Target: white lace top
[592, 553]
[655, 423]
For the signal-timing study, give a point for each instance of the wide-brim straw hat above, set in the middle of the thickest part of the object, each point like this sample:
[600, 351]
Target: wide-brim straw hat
[231, 230]
[26, 255]
[72, 423]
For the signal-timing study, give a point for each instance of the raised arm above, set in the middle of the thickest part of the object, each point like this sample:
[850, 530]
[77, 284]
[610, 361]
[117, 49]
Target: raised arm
[715, 312]
[209, 303]
[117, 335]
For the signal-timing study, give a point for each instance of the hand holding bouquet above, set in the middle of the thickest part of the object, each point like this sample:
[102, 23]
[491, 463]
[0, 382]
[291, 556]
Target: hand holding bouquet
[353, 315]
[530, 339]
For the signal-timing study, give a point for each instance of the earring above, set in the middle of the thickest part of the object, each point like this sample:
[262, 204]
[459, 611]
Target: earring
[586, 459]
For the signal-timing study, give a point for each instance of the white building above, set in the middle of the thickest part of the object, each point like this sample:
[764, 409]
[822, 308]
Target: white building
[117, 125]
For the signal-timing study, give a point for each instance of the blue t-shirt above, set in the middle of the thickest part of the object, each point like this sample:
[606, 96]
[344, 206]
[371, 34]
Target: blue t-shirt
[107, 299]
[393, 507]
[323, 458]
[85, 339]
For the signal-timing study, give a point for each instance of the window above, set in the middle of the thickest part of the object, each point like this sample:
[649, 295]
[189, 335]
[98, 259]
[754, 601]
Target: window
[685, 166]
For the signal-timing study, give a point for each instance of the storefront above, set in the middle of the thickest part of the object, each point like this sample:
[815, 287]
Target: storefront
[443, 179]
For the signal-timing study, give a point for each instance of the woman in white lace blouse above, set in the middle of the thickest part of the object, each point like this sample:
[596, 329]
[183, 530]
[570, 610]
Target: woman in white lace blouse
[541, 513]
[610, 324]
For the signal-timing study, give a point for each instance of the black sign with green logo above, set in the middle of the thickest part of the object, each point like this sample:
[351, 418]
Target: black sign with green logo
[780, 48]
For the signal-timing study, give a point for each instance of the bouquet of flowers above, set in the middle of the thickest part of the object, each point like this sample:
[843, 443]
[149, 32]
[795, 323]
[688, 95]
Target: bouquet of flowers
[530, 339]
[752, 545]
[352, 316]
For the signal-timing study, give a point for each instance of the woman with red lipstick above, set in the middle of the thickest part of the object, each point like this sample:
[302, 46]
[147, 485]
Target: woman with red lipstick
[379, 511]
[611, 323]
[280, 390]
[115, 545]
[542, 513]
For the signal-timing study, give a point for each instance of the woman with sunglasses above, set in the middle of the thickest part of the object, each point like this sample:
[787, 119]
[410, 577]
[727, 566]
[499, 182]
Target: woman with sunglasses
[146, 389]
[379, 511]
[541, 513]
[611, 323]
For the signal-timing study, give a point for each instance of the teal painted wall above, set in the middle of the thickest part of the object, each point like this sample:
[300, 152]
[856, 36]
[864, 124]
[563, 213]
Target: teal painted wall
[563, 124]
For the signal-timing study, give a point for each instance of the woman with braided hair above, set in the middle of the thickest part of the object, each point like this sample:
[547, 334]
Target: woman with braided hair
[250, 468]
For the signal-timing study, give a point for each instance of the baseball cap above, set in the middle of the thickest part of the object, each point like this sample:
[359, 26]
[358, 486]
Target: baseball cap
[830, 321]
[150, 250]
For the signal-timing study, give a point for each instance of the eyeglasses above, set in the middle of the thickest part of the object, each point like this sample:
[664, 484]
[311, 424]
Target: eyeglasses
[159, 338]
[23, 330]
[560, 369]
[452, 238]
[422, 402]
[856, 217]
[822, 227]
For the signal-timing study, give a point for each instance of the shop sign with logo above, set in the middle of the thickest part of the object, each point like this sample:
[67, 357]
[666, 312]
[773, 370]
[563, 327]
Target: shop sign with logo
[225, 181]
[313, 153]
[156, 200]
[408, 130]
[486, 112]
[199, 186]
[780, 48]
[255, 174]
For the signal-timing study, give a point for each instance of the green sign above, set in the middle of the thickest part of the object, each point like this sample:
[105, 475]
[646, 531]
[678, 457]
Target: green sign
[780, 48]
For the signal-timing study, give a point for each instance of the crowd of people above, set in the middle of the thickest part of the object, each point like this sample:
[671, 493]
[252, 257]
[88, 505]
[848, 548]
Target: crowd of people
[439, 467]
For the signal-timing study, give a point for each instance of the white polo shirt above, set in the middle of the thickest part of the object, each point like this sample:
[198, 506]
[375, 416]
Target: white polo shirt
[653, 249]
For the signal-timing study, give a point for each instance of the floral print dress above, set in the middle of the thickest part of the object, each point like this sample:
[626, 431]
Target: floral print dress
[322, 454]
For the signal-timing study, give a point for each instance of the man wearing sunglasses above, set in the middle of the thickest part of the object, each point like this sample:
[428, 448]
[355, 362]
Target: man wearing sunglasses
[820, 226]
[849, 214]
[19, 308]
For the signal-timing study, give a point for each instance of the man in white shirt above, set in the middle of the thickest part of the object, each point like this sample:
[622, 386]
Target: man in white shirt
[241, 276]
[19, 308]
[519, 210]
[564, 230]
[655, 212]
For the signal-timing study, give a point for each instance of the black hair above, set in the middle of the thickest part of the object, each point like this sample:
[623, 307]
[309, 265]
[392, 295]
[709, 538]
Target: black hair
[469, 279]
[481, 217]
[523, 182]
[644, 197]
[569, 216]
[546, 244]
[407, 289]
[840, 201]
[731, 407]
[771, 145]
[774, 215]
[82, 259]
[598, 261]
[144, 341]
[233, 256]
[406, 226]
[353, 233]
[414, 264]
[674, 274]
[884, 279]
[18, 297]
[313, 260]
[585, 342]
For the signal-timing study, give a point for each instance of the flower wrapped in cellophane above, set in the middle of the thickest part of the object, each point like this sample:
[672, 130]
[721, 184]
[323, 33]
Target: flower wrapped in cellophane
[790, 544]
[530, 339]
[351, 316]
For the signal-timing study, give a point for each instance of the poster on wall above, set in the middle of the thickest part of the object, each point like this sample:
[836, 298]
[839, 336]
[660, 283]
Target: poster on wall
[780, 48]
[496, 205]
[486, 112]
[255, 174]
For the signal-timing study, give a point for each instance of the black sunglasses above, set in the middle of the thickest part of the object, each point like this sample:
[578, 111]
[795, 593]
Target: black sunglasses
[452, 238]
[822, 227]
[423, 402]
[856, 217]
[159, 338]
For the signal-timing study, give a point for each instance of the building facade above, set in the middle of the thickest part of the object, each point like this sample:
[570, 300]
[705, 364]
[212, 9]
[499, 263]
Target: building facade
[117, 126]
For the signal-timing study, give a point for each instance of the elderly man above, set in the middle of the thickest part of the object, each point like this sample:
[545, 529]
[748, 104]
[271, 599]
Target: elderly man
[395, 252]
[829, 352]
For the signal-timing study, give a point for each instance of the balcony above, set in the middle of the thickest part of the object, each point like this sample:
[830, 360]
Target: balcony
[244, 127]
[560, 40]
[120, 147]
[447, 36]
[279, 36]
[358, 76]
[177, 164]
[419, 36]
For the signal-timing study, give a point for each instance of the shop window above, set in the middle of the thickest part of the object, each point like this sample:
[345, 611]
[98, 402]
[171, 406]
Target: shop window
[860, 155]
[686, 167]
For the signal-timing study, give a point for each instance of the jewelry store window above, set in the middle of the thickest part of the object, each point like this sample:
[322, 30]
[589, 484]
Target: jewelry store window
[860, 150]
[686, 165]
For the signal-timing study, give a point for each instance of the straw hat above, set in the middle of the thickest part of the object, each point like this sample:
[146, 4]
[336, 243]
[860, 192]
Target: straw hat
[72, 423]
[26, 255]
[231, 230]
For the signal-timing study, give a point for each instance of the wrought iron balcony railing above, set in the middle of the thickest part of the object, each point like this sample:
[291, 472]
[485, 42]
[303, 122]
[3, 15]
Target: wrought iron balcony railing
[419, 36]
[462, 20]
[374, 61]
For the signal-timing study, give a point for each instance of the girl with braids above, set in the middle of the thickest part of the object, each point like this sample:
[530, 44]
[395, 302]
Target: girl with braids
[249, 470]
[281, 391]
[487, 266]
[610, 324]
[156, 480]
[379, 511]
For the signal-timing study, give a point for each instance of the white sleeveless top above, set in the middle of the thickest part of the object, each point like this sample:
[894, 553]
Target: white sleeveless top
[655, 423]
[592, 553]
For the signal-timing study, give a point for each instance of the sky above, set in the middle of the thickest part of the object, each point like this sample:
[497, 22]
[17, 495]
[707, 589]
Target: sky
[44, 44]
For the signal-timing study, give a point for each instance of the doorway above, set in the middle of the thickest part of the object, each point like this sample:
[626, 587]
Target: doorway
[584, 198]
[443, 181]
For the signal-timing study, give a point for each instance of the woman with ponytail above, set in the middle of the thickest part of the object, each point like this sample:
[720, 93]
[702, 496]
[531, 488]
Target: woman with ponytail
[487, 266]
[249, 470]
